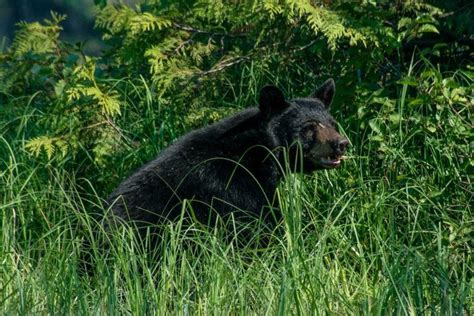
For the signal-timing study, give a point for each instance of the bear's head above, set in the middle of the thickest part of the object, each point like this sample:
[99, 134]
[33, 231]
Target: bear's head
[305, 126]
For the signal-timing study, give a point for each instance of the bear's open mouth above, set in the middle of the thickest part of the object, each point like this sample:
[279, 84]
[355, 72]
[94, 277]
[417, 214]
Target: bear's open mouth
[330, 161]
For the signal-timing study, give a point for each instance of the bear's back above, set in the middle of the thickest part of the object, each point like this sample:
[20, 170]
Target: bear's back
[199, 158]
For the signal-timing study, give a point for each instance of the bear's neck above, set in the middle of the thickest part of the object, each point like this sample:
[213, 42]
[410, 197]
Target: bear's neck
[251, 144]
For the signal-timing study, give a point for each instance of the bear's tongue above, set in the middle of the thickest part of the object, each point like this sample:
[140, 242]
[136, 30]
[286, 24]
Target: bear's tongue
[330, 161]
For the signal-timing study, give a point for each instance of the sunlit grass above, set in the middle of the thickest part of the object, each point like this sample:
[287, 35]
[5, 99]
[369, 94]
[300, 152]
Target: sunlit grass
[368, 250]
[380, 235]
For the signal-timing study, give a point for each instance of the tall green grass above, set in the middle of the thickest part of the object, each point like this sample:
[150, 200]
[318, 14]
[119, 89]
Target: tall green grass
[380, 235]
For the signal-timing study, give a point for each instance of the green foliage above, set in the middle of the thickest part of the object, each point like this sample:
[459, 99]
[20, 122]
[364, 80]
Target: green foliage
[217, 39]
[424, 19]
[211, 45]
[433, 109]
[37, 37]
[78, 108]
[388, 233]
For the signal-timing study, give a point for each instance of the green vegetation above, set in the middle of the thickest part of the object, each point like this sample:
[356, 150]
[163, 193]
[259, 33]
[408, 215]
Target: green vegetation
[391, 231]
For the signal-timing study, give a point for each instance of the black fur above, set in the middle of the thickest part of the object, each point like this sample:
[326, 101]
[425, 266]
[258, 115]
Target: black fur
[230, 166]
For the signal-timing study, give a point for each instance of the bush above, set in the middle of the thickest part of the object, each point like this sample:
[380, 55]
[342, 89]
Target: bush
[391, 231]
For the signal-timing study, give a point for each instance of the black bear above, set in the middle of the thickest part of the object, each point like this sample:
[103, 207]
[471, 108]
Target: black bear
[234, 165]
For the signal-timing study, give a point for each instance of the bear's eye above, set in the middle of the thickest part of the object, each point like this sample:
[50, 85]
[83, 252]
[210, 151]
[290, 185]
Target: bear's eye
[309, 131]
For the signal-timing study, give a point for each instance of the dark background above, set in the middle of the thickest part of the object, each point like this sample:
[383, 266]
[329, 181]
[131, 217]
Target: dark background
[78, 27]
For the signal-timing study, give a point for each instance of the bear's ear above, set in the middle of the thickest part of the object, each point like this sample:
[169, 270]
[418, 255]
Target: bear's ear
[271, 100]
[325, 92]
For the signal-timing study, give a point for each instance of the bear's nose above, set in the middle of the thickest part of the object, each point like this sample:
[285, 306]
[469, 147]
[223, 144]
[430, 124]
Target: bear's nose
[340, 145]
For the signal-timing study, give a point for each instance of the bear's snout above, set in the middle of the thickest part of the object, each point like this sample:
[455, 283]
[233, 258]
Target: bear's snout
[340, 145]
